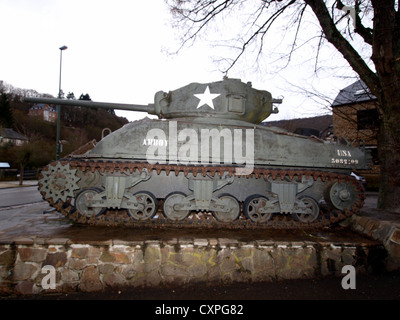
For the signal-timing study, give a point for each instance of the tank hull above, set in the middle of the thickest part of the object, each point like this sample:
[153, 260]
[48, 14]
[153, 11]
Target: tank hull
[202, 173]
[203, 142]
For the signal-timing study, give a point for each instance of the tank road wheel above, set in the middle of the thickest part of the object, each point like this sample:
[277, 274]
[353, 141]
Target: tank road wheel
[233, 209]
[308, 210]
[168, 206]
[341, 195]
[82, 202]
[252, 207]
[150, 206]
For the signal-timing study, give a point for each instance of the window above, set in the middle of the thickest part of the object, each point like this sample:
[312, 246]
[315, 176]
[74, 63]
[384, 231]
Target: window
[367, 119]
[361, 92]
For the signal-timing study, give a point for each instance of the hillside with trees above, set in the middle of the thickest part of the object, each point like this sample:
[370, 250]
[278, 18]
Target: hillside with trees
[78, 126]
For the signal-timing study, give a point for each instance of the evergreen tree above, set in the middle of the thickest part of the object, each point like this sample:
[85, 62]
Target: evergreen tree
[85, 97]
[6, 115]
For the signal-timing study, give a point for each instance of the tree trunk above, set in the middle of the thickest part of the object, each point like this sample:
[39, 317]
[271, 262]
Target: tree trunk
[389, 144]
[386, 59]
[389, 154]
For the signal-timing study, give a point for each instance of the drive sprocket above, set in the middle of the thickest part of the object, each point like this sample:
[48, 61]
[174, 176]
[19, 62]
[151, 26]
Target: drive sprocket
[58, 181]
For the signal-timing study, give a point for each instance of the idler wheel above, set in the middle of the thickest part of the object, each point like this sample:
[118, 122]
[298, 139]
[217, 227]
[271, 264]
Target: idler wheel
[150, 206]
[253, 208]
[341, 195]
[232, 204]
[82, 202]
[169, 206]
[306, 210]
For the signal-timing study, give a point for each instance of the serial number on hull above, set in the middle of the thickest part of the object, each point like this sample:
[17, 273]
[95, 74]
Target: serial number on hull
[344, 161]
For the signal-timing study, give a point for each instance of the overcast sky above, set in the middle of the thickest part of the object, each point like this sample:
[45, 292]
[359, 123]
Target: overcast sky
[117, 53]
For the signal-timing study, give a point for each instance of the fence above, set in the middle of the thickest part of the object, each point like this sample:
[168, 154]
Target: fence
[13, 174]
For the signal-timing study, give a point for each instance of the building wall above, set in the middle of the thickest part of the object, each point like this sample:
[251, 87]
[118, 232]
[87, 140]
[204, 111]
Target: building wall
[46, 113]
[16, 142]
[346, 123]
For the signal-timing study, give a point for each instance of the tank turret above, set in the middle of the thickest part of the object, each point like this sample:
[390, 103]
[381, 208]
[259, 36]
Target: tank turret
[229, 99]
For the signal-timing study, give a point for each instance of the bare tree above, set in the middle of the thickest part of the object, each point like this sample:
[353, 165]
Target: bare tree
[374, 23]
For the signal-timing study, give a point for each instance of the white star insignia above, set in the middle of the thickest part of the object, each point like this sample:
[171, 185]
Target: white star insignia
[206, 98]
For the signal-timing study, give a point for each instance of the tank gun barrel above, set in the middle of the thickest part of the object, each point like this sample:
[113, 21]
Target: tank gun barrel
[273, 100]
[85, 103]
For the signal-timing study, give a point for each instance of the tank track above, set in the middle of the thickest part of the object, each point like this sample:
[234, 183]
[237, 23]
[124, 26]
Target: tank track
[113, 217]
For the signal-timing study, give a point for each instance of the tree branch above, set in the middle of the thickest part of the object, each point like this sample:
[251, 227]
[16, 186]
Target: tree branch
[365, 33]
[200, 14]
[343, 46]
[261, 30]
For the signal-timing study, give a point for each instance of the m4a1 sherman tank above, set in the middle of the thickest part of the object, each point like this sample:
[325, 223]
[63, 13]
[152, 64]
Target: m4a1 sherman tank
[206, 162]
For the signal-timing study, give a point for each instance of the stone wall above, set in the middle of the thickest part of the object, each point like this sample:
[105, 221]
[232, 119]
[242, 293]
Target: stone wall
[96, 266]
[384, 228]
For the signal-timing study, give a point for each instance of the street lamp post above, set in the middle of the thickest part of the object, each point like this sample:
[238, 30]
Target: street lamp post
[58, 108]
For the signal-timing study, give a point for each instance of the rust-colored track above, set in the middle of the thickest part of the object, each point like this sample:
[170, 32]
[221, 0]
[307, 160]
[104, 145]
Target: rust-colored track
[204, 220]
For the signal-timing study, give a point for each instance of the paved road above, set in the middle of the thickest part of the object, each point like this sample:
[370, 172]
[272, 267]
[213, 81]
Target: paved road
[19, 196]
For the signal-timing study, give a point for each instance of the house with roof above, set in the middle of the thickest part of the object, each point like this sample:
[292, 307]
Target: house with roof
[44, 111]
[356, 118]
[355, 114]
[8, 135]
